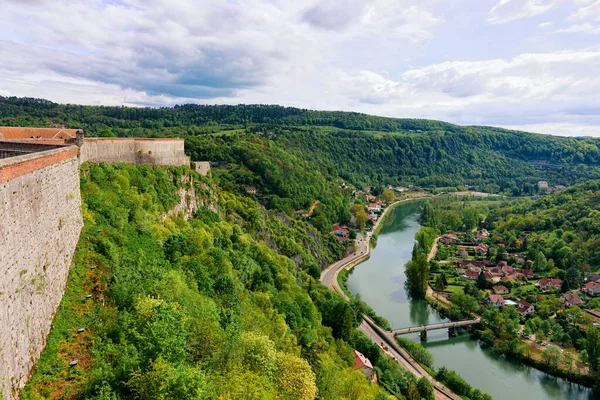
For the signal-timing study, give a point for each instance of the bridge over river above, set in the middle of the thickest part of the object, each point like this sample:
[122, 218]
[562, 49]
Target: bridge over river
[422, 330]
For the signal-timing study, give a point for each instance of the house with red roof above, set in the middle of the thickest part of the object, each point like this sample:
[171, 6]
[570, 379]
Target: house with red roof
[483, 234]
[341, 232]
[364, 365]
[481, 249]
[472, 275]
[592, 288]
[251, 189]
[527, 273]
[449, 239]
[496, 300]
[508, 270]
[500, 289]
[549, 283]
[525, 308]
[571, 299]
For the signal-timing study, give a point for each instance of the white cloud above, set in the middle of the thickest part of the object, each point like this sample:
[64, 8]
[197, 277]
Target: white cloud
[558, 129]
[529, 89]
[587, 28]
[544, 25]
[510, 10]
[588, 11]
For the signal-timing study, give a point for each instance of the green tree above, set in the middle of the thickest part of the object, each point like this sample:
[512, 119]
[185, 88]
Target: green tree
[481, 281]
[417, 274]
[541, 264]
[295, 379]
[413, 392]
[552, 356]
[361, 219]
[593, 347]
[106, 133]
[388, 196]
[425, 388]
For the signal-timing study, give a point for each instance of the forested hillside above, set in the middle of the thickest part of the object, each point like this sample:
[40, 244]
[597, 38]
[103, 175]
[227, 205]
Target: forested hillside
[563, 230]
[360, 149]
[225, 305]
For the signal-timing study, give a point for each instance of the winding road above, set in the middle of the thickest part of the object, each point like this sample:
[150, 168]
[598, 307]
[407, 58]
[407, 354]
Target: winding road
[371, 329]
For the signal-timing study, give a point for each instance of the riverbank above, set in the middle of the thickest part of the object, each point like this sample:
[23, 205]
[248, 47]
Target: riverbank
[329, 277]
[529, 354]
[380, 282]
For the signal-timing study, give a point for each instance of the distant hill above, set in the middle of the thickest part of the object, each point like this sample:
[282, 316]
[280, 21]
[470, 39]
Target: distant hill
[358, 148]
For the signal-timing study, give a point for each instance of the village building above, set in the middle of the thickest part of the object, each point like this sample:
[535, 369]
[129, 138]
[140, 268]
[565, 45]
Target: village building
[251, 189]
[508, 270]
[549, 283]
[375, 207]
[475, 263]
[524, 273]
[481, 235]
[542, 185]
[496, 300]
[471, 275]
[363, 364]
[449, 239]
[481, 249]
[341, 232]
[460, 271]
[592, 278]
[500, 289]
[571, 299]
[525, 308]
[462, 254]
[592, 288]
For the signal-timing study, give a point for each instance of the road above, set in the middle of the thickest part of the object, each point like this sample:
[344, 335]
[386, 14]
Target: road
[329, 275]
[369, 328]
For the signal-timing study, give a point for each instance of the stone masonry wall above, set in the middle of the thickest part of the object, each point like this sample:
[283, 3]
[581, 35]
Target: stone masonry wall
[135, 151]
[40, 222]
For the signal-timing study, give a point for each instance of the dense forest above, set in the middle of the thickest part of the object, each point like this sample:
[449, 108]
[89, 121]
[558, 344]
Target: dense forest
[358, 148]
[561, 230]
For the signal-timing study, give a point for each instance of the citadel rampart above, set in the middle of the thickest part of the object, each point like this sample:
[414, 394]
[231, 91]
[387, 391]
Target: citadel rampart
[134, 151]
[40, 222]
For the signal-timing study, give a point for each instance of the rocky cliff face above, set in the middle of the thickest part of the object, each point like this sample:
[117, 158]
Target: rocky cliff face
[193, 194]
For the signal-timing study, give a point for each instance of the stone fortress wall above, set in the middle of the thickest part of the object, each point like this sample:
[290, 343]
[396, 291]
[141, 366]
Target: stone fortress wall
[134, 151]
[40, 222]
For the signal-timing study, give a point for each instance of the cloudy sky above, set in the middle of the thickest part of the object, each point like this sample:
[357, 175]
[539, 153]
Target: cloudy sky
[527, 64]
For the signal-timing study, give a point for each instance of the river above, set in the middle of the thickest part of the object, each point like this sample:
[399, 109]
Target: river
[380, 283]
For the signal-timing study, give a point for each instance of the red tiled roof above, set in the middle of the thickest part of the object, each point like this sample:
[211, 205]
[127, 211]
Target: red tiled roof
[499, 288]
[15, 133]
[572, 298]
[496, 298]
[471, 274]
[592, 285]
[546, 281]
[361, 361]
[339, 228]
[523, 306]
